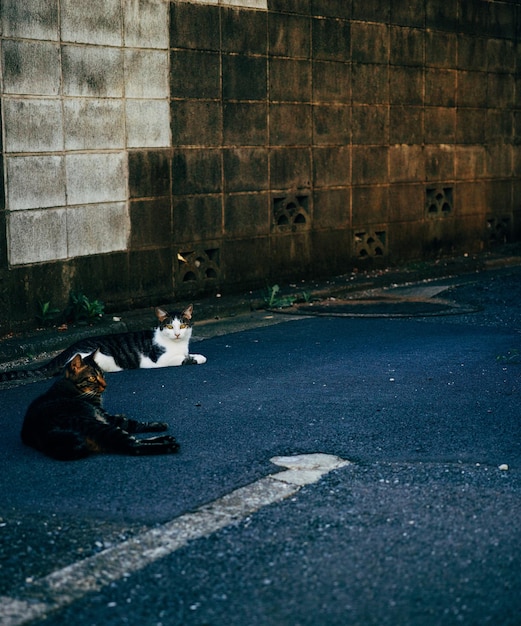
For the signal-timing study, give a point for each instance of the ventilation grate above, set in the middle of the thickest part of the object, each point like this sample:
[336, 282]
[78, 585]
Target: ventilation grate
[370, 244]
[199, 266]
[498, 230]
[291, 213]
[439, 201]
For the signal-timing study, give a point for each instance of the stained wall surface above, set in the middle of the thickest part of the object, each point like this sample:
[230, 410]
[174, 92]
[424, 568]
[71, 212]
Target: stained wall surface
[155, 150]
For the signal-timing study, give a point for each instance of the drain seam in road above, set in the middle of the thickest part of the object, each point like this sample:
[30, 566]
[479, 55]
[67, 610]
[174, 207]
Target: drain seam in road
[69, 584]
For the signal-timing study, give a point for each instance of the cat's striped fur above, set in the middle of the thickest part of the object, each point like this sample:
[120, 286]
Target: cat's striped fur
[167, 345]
[68, 421]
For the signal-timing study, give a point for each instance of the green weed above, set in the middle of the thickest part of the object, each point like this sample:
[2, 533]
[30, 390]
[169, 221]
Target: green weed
[82, 310]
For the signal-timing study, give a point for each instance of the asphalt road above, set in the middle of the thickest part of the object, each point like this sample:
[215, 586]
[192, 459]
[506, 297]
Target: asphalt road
[422, 527]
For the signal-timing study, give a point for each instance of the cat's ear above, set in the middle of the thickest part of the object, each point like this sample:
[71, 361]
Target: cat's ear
[75, 365]
[187, 313]
[91, 358]
[161, 314]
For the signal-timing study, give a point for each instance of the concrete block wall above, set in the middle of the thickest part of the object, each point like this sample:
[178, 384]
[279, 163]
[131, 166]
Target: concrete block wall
[156, 149]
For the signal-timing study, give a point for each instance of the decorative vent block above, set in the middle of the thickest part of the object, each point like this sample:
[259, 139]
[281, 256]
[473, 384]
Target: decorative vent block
[291, 213]
[198, 266]
[498, 230]
[439, 201]
[370, 244]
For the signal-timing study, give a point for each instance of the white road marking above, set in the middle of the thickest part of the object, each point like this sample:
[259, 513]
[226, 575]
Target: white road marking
[67, 585]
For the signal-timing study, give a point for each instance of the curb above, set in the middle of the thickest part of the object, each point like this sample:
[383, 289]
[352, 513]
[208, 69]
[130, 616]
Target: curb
[28, 348]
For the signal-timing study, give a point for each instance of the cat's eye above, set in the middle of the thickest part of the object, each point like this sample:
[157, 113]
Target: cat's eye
[169, 326]
[183, 325]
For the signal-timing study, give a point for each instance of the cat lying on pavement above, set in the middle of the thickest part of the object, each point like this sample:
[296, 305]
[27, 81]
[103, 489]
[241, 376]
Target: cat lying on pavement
[167, 345]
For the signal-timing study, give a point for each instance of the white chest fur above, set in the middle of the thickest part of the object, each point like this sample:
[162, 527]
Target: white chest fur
[175, 343]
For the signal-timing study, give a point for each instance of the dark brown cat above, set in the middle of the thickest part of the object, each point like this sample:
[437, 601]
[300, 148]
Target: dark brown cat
[68, 422]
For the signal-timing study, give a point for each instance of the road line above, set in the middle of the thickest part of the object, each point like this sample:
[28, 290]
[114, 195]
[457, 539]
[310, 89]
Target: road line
[67, 585]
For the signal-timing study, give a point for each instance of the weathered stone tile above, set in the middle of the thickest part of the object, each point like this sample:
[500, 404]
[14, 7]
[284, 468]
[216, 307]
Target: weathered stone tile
[440, 87]
[332, 125]
[406, 85]
[243, 31]
[93, 22]
[245, 123]
[470, 126]
[370, 124]
[439, 162]
[411, 13]
[197, 218]
[246, 215]
[332, 208]
[148, 123]
[369, 42]
[406, 125]
[245, 169]
[195, 74]
[196, 171]
[97, 229]
[146, 74]
[194, 26]
[35, 182]
[289, 35]
[92, 71]
[470, 162]
[37, 236]
[150, 223]
[332, 167]
[407, 46]
[92, 123]
[31, 68]
[370, 164]
[440, 125]
[472, 89]
[290, 80]
[442, 15]
[196, 123]
[145, 24]
[331, 82]
[406, 163]
[441, 49]
[93, 178]
[290, 168]
[331, 39]
[370, 205]
[30, 19]
[406, 202]
[149, 173]
[290, 124]
[244, 78]
[33, 125]
[370, 83]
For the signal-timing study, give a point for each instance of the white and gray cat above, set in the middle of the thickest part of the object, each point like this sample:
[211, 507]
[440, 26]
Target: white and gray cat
[167, 345]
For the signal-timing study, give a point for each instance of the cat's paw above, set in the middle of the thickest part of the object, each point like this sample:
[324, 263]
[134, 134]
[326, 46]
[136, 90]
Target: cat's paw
[198, 358]
[157, 427]
[173, 446]
[189, 360]
[168, 441]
